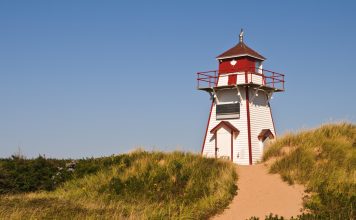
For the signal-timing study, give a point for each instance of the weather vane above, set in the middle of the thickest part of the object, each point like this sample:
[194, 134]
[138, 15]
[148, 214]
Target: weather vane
[242, 35]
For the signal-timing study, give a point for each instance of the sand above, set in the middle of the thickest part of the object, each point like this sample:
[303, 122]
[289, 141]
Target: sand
[261, 193]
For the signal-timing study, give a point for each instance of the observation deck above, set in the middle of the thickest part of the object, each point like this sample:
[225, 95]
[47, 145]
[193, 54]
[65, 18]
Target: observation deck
[251, 77]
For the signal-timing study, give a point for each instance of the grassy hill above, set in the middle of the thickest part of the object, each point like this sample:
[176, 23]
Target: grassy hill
[324, 160]
[154, 185]
[139, 185]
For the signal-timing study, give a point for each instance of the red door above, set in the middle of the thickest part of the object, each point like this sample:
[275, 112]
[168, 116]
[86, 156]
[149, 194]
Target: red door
[232, 79]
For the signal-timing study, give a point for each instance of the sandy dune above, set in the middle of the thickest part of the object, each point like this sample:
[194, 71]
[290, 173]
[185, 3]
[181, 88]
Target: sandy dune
[261, 193]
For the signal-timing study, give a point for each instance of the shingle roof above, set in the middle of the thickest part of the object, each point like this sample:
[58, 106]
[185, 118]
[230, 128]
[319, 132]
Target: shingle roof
[241, 49]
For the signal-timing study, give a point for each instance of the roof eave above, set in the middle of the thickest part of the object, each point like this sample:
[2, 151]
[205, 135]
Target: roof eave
[240, 55]
[227, 124]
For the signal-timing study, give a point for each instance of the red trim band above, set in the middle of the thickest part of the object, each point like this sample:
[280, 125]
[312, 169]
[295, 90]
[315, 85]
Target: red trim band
[232, 146]
[248, 126]
[270, 111]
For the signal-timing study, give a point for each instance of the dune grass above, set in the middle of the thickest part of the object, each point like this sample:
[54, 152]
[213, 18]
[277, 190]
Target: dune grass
[141, 185]
[324, 160]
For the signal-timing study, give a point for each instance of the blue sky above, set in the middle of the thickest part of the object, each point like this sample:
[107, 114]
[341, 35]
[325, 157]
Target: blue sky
[92, 78]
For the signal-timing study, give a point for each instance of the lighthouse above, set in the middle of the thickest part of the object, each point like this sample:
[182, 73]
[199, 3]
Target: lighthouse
[240, 122]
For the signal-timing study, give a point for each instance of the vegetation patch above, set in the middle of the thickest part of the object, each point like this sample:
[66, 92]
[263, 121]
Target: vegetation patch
[140, 185]
[324, 160]
[18, 174]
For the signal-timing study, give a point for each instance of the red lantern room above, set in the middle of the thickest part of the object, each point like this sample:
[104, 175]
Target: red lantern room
[239, 58]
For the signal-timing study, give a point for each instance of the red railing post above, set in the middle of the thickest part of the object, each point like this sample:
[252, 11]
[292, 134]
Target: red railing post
[216, 77]
[273, 79]
[198, 81]
[283, 81]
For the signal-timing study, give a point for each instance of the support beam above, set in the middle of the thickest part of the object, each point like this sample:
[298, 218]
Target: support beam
[215, 95]
[238, 90]
[254, 95]
[269, 96]
[232, 146]
[211, 94]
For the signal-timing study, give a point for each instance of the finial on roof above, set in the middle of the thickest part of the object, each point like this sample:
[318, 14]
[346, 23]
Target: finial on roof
[241, 35]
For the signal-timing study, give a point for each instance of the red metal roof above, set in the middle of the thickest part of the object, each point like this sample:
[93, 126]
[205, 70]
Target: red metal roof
[224, 123]
[241, 49]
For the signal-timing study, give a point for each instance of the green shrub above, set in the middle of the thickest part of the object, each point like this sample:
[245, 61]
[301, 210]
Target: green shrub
[18, 174]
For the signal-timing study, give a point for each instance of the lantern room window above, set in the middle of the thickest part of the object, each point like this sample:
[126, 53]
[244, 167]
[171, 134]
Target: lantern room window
[258, 67]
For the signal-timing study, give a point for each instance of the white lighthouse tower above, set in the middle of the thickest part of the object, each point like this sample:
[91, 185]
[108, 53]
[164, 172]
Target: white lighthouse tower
[240, 119]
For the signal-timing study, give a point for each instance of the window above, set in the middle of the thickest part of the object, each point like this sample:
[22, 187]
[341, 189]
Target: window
[228, 111]
[258, 66]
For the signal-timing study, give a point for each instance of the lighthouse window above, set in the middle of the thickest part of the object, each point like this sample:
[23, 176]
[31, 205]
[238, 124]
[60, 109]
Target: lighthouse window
[228, 111]
[258, 67]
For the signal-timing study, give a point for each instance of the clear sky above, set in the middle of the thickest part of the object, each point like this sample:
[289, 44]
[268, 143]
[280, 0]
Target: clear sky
[92, 78]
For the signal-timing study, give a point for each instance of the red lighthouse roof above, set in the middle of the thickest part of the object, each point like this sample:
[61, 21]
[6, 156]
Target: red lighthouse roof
[240, 50]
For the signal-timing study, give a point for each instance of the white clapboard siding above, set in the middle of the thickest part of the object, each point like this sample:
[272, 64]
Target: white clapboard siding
[240, 142]
[260, 116]
[256, 79]
[241, 78]
[223, 80]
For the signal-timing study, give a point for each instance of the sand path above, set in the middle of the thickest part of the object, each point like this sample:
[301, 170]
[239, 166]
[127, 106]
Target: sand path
[261, 193]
